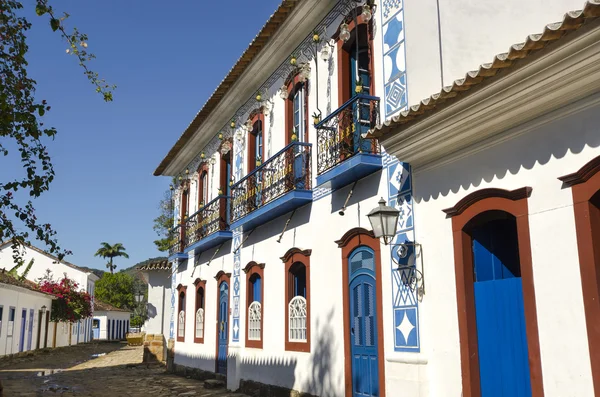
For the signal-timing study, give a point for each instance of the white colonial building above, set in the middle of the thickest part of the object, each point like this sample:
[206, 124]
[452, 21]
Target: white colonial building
[24, 315]
[110, 323]
[60, 334]
[489, 285]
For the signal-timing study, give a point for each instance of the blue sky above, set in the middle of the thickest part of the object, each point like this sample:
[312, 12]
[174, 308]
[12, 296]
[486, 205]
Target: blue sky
[166, 59]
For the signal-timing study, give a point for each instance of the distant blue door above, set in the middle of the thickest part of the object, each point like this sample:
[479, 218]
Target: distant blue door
[22, 335]
[30, 330]
[107, 329]
[96, 328]
[363, 323]
[223, 325]
[501, 337]
[113, 330]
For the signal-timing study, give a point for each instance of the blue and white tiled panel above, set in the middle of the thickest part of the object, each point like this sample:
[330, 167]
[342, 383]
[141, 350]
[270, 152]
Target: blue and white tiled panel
[237, 239]
[406, 329]
[399, 179]
[401, 292]
[389, 8]
[403, 203]
[173, 290]
[394, 57]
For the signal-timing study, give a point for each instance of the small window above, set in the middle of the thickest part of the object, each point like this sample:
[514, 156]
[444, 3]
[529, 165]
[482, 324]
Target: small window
[11, 314]
[181, 317]
[199, 312]
[254, 302]
[297, 300]
[96, 324]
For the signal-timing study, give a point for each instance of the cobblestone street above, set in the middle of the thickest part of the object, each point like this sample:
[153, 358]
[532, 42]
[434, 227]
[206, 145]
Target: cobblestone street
[73, 371]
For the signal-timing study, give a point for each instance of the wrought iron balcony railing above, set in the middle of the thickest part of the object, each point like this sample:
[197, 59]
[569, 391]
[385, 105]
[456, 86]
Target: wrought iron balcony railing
[175, 238]
[288, 170]
[340, 135]
[207, 220]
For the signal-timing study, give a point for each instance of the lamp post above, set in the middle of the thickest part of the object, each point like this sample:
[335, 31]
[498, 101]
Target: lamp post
[384, 221]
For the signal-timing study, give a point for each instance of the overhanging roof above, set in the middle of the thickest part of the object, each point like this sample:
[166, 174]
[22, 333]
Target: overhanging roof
[501, 66]
[273, 24]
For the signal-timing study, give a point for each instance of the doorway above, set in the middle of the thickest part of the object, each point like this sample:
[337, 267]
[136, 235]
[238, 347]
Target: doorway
[223, 327]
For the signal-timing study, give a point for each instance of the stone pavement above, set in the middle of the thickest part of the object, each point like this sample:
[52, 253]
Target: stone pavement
[72, 371]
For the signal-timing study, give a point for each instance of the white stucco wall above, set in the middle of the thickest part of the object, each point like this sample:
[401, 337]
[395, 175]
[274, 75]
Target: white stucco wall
[536, 159]
[159, 293]
[472, 32]
[21, 299]
[105, 316]
[42, 262]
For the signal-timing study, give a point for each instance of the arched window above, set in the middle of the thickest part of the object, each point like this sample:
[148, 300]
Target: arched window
[199, 312]
[355, 61]
[203, 185]
[256, 146]
[181, 313]
[297, 294]
[296, 110]
[254, 301]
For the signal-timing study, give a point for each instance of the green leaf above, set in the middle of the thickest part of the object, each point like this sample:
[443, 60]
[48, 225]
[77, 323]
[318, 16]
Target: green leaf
[41, 111]
[40, 9]
[54, 24]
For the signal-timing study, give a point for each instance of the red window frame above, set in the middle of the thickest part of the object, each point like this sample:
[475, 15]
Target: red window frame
[203, 170]
[291, 257]
[200, 303]
[251, 269]
[255, 118]
[181, 290]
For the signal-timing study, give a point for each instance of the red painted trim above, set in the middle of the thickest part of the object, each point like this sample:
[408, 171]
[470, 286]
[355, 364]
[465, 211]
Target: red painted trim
[465, 296]
[343, 61]
[251, 269]
[221, 277]
[293, 85]
[256, 117]
[353, 239]
[181, 289]
[292, 256]
[202, 169]
[479, 195]
[200, 285]
[585, 185]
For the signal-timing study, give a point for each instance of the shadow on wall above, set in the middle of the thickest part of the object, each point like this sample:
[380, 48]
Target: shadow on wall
[366, 188]
[152, 311]
[537, 146]
[322, 380]
[275, 227]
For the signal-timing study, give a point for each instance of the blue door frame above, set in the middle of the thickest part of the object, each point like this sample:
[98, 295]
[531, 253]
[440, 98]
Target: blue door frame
[22, 334]
[363, 323]
[223, 328]
[499, 311]
[30, 330]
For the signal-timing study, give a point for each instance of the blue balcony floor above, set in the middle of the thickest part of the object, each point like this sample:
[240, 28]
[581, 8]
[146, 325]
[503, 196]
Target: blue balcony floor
[274, 209]
[210, 241]
[348, 171]
[178, 255]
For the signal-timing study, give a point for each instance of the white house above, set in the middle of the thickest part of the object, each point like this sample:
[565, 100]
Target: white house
[110, 323]
[24, 315]
[159, 291]
[271, 240]
[60, 334]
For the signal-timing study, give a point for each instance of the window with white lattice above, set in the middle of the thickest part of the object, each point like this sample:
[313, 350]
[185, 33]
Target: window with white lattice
[254, 302]
[297, 293]
[181, 315]
[200, 323]
[199, 313]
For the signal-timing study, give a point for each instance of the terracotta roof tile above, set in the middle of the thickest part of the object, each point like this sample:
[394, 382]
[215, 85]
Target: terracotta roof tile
[161, 265]
[6, 278]
[105, 307]
[517, 54]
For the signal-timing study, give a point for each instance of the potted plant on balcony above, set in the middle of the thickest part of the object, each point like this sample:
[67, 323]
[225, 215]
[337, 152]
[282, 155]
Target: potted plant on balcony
[359, 86]
[316, 118]
[258, 161]
[293, 59]
[293, 135]
[220, 191]
[258, 96]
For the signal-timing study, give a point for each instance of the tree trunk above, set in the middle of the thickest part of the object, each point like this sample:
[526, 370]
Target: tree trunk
[111, 265]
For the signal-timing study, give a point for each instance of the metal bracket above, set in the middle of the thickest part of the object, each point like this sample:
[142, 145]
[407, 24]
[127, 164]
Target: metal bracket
[411, 276]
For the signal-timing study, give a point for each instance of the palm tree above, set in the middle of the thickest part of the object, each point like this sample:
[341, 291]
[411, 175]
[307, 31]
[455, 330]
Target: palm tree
[111, 251]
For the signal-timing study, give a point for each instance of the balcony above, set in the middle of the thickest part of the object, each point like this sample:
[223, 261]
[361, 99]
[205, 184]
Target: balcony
[280, 185]
[344, 156]
[207, 227]
[176, 243]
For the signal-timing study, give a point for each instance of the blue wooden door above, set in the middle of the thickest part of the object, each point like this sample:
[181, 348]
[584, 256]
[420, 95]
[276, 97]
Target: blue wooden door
[501, 336]
[223, 324]
[30, 330]
[96, 328]
[363, 323]
[22, 335]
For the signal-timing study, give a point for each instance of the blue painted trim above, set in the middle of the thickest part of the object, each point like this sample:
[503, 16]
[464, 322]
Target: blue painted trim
[210, 241]
[350, 170]
[178, 255]
[276, 208]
